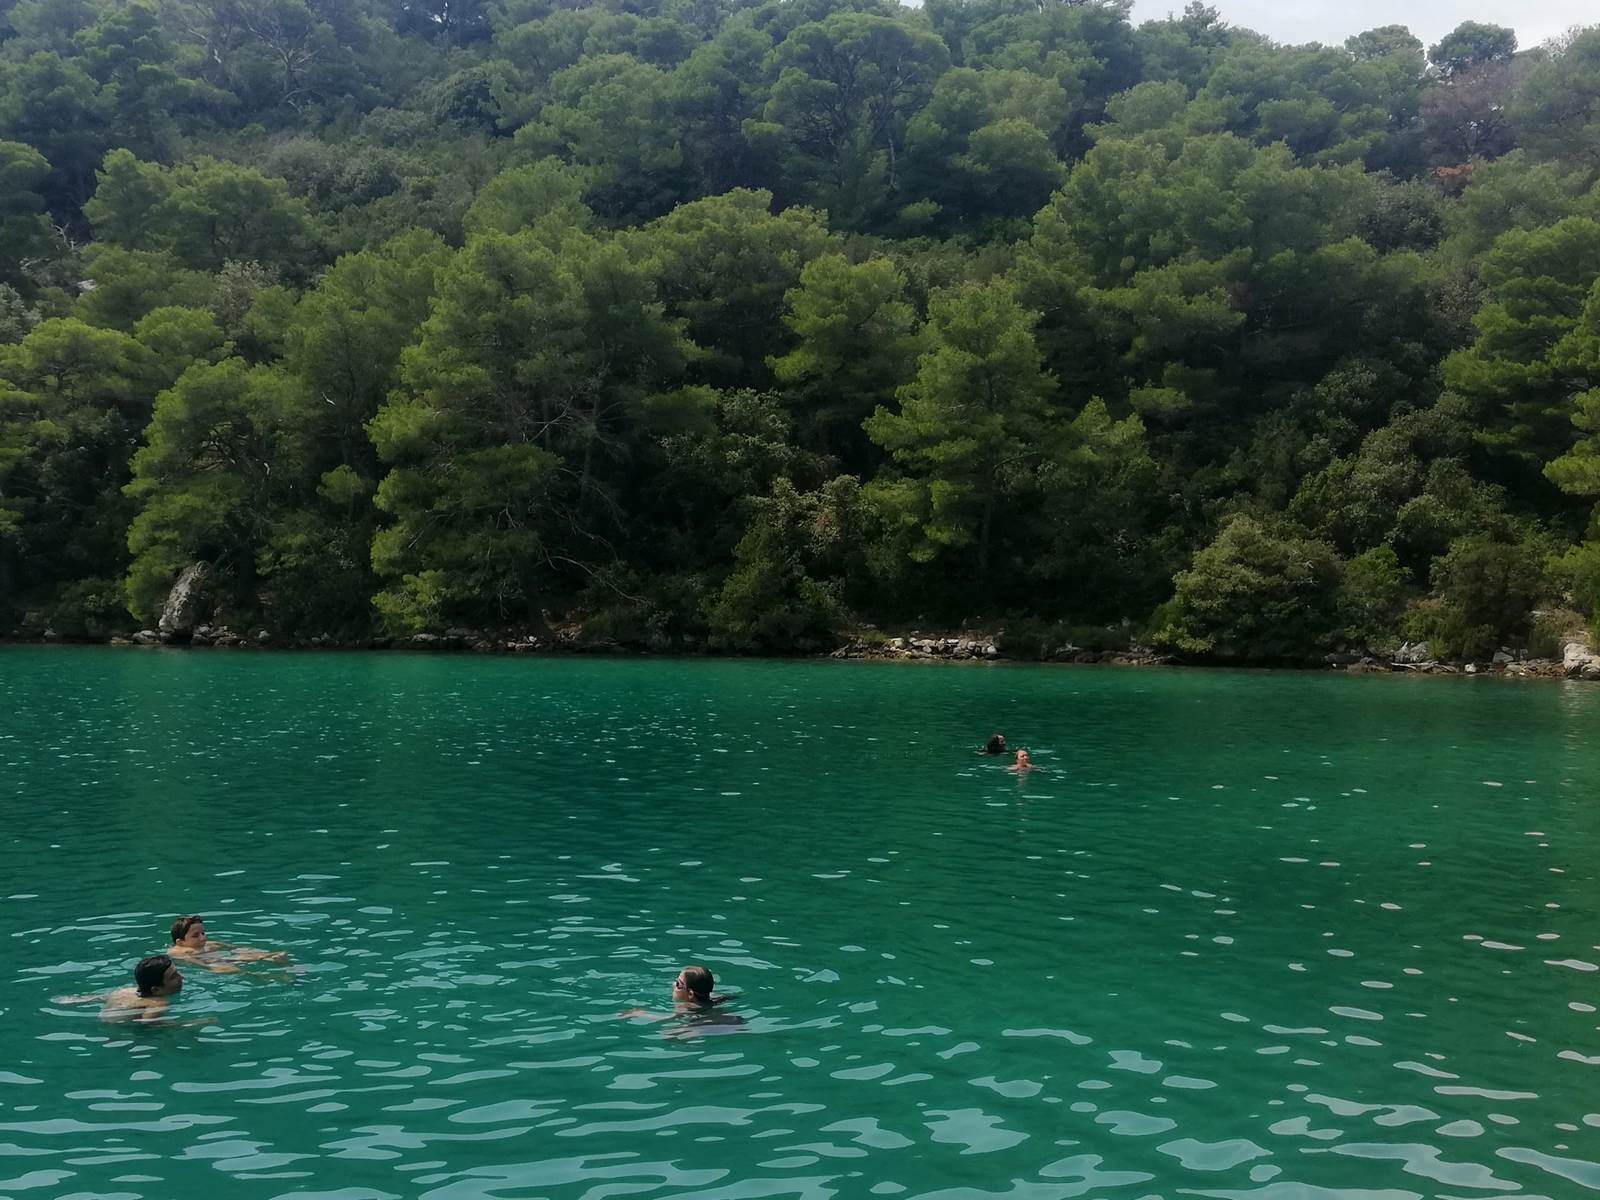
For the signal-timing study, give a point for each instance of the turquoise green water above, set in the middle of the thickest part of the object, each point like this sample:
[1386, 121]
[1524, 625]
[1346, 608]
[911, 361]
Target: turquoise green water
[1248, 935]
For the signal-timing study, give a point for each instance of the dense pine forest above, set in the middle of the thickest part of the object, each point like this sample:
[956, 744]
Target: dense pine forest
[731, 324]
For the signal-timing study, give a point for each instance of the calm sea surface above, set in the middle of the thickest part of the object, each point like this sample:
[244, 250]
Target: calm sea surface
[1294, 937]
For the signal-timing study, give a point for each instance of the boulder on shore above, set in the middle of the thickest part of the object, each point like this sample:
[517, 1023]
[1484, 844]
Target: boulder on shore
[1579, 661]
[1412, 653]
[182, 609]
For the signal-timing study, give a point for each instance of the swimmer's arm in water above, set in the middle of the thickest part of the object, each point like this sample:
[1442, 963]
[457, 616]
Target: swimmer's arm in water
[240, 953]
[289, 975]
[644, 1014]
[158, 1016]
[214, 964]
[86, 998]
[251, 954]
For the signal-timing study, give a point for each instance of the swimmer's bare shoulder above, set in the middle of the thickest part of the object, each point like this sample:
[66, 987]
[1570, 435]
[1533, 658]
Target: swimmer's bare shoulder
[125, 1004]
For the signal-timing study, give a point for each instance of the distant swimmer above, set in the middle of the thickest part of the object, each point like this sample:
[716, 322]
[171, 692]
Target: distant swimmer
[190, 943]
[1024, 764]
[996, 745]
[155, 981]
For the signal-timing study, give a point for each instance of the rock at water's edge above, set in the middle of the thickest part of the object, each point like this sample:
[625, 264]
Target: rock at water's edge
[182, 608]
[1578, 661]
[1412, 653]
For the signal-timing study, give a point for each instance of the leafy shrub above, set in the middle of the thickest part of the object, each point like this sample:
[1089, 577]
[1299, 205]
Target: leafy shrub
[90, 608]
[1577, 572]
[774, 602]
[414, 605]
[1550, 631]
[313, 575]
[1370, 594]
[1256, 592]
[1492, 584]
[661, 613]
[769, 606]
[1447, 629]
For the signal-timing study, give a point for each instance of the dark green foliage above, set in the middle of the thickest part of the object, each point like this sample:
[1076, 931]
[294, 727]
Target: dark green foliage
[509, 438]
[25, 233]
[1472, 44]
[784, 591]
[90, 608]
[1485, 587]
[726, 265]
[971, 434]
[1578, 573]
[734, 323]
[206, 215]
[1371, 592]
[1489, 586]
[1558, 105]
[1257, 593]
[855, 346]
[844, 89]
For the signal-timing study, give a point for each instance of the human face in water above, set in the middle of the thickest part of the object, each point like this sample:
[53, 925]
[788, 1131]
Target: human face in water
[171, 983]
[195, 937]
[681, 993]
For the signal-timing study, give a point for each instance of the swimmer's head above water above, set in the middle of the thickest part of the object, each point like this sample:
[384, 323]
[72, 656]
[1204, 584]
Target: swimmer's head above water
[156, 976]
[189, 932]
[996, 744]
[693, 986]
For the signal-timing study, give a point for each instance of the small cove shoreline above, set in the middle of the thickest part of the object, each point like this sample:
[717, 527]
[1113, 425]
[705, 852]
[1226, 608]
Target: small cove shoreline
[912, 648]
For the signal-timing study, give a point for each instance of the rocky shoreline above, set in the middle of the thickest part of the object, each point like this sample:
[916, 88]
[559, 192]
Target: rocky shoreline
[183, 623]
[1578, 660]
[985, 648]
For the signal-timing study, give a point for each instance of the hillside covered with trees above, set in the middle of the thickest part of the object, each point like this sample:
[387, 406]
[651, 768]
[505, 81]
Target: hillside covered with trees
[727, 323]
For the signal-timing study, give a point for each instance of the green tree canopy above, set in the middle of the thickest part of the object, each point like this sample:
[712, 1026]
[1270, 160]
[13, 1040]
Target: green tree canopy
[972, 429]
[510, 431]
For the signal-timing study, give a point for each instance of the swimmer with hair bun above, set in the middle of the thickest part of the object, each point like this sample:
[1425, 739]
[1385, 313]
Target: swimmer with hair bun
[693, 987]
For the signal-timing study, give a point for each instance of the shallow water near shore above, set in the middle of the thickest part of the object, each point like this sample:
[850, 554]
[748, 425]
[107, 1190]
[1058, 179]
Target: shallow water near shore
[1288, 936]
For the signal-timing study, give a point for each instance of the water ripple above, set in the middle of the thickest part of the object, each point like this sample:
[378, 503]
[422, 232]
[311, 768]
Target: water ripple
[1254, 936]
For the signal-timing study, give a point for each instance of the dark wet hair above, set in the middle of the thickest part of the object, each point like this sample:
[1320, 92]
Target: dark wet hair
[150, 973]
[996, 744]
[699, 981]
[181, 927]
